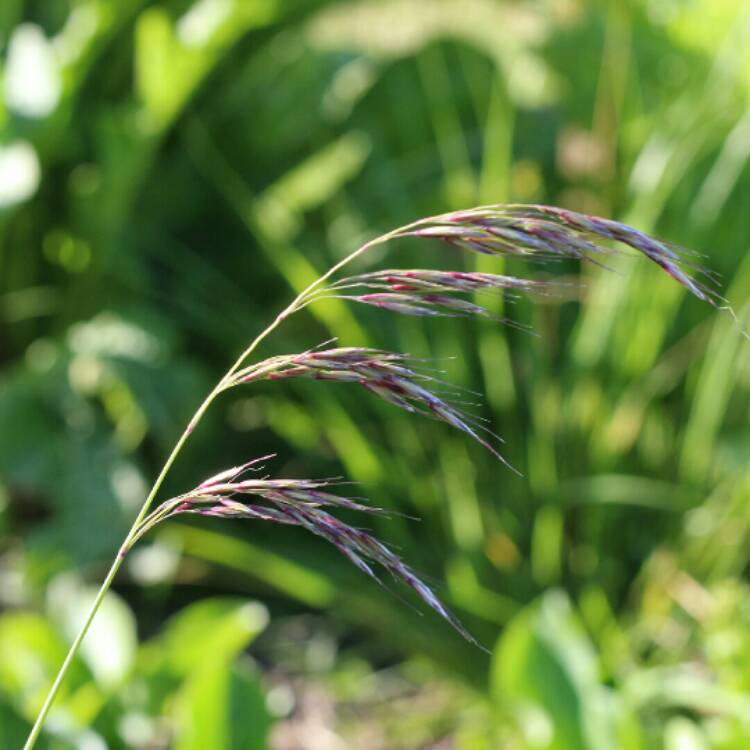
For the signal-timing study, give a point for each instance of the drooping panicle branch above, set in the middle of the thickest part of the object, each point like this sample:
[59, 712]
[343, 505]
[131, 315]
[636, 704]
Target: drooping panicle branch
[388, 375]
[429, 293]
[297, 502]
[432, 282]
[548, 233]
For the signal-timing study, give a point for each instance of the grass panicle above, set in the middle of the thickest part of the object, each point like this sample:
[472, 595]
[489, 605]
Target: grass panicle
[388, 375]
[297, 502]
[532, 232]
[551, 233]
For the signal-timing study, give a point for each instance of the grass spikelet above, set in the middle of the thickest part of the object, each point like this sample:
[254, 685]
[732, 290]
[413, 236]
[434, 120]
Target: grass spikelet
[388, 375]
[547, 232]
[298, 502]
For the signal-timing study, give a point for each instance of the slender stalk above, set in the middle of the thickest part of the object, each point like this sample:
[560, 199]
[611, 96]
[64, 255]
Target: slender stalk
[135, 531]
[75, 646]
[37, 728]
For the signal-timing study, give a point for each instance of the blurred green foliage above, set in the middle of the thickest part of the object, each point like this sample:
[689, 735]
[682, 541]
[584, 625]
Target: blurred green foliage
[171, 171]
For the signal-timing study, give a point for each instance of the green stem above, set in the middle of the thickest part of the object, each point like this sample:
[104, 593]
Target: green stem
[134, 533]
[37, 728]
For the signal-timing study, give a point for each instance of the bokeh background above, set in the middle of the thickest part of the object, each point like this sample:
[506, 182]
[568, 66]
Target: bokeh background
[170, 172]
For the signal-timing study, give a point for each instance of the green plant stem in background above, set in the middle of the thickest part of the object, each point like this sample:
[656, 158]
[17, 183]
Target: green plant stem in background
[133, 534]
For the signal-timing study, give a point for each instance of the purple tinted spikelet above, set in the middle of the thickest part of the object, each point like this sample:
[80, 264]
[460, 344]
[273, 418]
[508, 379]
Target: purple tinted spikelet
[429, 293]
[659, 252]
[234, 472]
[427, 305]
[547, 232]
[299, 502]
[388, 375]
[431, 281]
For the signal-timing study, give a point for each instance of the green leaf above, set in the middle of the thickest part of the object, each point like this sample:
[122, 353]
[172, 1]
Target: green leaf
[30, 655]
[210, 631]
[171, 60]
[13, 729]
[222, 706]
[683, 734]
[544, 658]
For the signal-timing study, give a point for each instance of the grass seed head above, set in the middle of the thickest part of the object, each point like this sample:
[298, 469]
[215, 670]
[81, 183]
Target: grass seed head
[301, 502]
[388, 375]
[547, 232]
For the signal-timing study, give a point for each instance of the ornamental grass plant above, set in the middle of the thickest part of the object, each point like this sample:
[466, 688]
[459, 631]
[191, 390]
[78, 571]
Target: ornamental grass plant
[539, 234]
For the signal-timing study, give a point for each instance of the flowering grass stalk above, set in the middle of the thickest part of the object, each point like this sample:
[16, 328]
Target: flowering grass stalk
[533, 232]
[387, 375]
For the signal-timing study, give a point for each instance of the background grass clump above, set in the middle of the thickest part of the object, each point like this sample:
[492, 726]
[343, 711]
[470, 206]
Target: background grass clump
[171, 172]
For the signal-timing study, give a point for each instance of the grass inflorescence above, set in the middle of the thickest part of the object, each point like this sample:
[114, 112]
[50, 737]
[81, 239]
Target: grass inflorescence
[536, 233]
